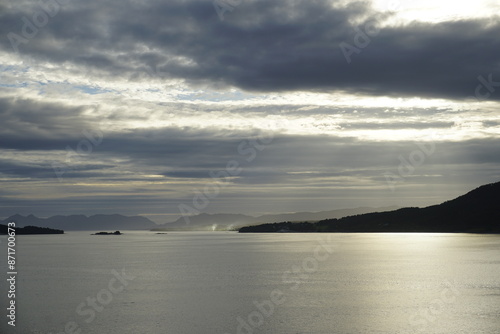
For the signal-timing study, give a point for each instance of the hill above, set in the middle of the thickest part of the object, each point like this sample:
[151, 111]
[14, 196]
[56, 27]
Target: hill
[478, 211]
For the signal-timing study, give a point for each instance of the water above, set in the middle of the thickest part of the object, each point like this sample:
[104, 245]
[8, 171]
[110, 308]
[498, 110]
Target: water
[224, 282]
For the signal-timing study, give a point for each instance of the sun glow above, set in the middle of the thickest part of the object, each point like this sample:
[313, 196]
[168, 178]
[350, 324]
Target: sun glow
[405, 11]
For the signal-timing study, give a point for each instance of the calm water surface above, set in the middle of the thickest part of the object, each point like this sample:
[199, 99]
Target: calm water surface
[224, 282]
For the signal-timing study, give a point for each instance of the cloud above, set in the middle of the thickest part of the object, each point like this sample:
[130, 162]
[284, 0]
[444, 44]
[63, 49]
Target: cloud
[140, 101]
[265, 46]
[143, 173]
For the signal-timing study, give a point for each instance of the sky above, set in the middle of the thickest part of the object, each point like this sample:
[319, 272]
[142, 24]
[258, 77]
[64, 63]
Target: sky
[170, 108]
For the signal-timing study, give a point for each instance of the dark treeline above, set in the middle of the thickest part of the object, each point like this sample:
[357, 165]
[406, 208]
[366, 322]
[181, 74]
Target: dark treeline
[475, 212]
[30, 230]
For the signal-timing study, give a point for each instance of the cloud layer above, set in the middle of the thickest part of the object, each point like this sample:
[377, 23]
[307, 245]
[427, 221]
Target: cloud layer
[131, 106]
[263, 46]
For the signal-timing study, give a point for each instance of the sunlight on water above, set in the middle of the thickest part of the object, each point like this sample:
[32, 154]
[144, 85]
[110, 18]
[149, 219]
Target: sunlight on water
[223, 282]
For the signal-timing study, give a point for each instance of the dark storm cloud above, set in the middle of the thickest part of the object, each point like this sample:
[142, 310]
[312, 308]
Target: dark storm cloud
[266, 46]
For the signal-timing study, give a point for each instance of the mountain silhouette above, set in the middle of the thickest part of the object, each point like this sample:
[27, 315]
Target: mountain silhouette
[478, 211]
[84, 223]
[225, 221]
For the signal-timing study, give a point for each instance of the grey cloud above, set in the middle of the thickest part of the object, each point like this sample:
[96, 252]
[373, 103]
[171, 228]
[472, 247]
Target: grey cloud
[43, 171]
[191, 174]
[341, 168]
[26, 118]
[262, 46]
[397, 125]
[267, 46]
[18, 169]
[128, 204]
[192, 153]
[491, 123]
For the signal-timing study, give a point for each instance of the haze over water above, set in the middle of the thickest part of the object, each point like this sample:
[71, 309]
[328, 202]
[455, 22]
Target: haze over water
[204, 282]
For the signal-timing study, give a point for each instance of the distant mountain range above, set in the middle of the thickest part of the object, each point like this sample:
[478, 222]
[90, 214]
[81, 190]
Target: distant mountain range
[478, 211]
[201, 222]
[224, 222]
[84, 223]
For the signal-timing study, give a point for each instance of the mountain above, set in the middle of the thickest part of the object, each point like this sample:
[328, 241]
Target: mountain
[84, 223]
[478, 211]
[224, 221]
[201, 222]
[207, 222]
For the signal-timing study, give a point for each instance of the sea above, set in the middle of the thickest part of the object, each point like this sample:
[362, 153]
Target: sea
[226, 282]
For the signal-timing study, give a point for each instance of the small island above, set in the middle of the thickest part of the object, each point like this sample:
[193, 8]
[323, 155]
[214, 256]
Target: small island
[108, 233]
[30, 230]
